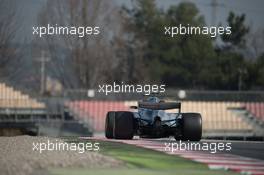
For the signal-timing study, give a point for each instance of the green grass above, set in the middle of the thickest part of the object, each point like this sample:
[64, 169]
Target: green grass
[143, 161]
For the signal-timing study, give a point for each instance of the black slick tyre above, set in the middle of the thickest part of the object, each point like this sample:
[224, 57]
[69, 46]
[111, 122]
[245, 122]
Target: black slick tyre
[191, 126]
[109, 124]
[119, 125]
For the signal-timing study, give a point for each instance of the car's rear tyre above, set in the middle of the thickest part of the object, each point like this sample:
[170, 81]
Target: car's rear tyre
[119, 125]
[109, 123]
[191, 126]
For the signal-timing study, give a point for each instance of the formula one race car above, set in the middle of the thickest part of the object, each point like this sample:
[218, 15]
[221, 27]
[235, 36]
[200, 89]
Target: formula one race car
[152, 121]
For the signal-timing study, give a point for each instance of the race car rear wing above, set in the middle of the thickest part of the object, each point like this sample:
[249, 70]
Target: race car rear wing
[160, 106]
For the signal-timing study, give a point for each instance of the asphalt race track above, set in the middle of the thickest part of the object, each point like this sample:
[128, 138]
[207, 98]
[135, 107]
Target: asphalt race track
[248, 149]
[245, 157]
[252, 149]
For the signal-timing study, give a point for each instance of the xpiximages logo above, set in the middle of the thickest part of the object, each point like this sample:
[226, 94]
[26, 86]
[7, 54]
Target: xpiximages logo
[59, 145]
[196, 30]
[147, 89]
[212, 147]
[79, 31]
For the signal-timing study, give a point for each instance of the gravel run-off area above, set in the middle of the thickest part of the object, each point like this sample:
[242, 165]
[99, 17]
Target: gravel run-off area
[17, 157]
